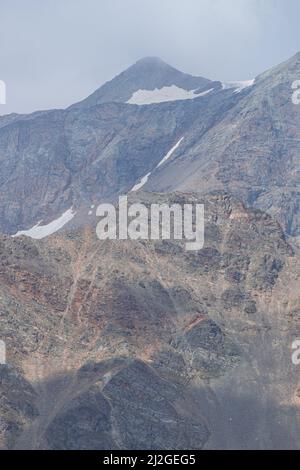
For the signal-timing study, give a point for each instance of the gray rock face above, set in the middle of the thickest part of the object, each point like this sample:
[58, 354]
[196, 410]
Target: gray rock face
[18, 404]
[252, 152]
[53, 160]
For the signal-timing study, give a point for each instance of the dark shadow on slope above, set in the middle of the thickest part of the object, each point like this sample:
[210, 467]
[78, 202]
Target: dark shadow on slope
[126, 404]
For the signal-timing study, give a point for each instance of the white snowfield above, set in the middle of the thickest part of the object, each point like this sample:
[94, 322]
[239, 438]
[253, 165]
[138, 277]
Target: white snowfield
[162, 95]
[145, 178]
[239, 85]
[41, 231]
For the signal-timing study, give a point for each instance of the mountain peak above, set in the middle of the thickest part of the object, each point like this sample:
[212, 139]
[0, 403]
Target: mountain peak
[148, 73]
[151, 60]
[152, 64]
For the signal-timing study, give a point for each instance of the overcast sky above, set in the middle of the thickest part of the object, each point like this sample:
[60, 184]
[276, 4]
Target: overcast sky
[56, 52]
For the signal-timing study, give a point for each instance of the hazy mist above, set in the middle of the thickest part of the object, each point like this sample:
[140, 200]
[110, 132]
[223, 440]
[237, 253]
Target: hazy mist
[56, 52]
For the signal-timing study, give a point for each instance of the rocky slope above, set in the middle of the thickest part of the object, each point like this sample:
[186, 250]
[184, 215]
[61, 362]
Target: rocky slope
[252, 152]
[242, 140]
[53, 160]
[134, 344]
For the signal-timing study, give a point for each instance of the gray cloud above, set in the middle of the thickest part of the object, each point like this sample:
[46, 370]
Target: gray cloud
[55, 52]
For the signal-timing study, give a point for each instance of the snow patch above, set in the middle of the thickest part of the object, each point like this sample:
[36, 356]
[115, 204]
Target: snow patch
[239, 85]
[142, 182]
[145, 178]
[41, 231]
[161, 95]
[169, 154]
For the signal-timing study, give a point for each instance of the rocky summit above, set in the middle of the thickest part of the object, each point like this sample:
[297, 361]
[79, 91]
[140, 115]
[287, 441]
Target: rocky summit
[123, 344]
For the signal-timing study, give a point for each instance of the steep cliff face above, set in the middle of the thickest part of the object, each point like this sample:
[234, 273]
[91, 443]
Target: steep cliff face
[123, 344]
